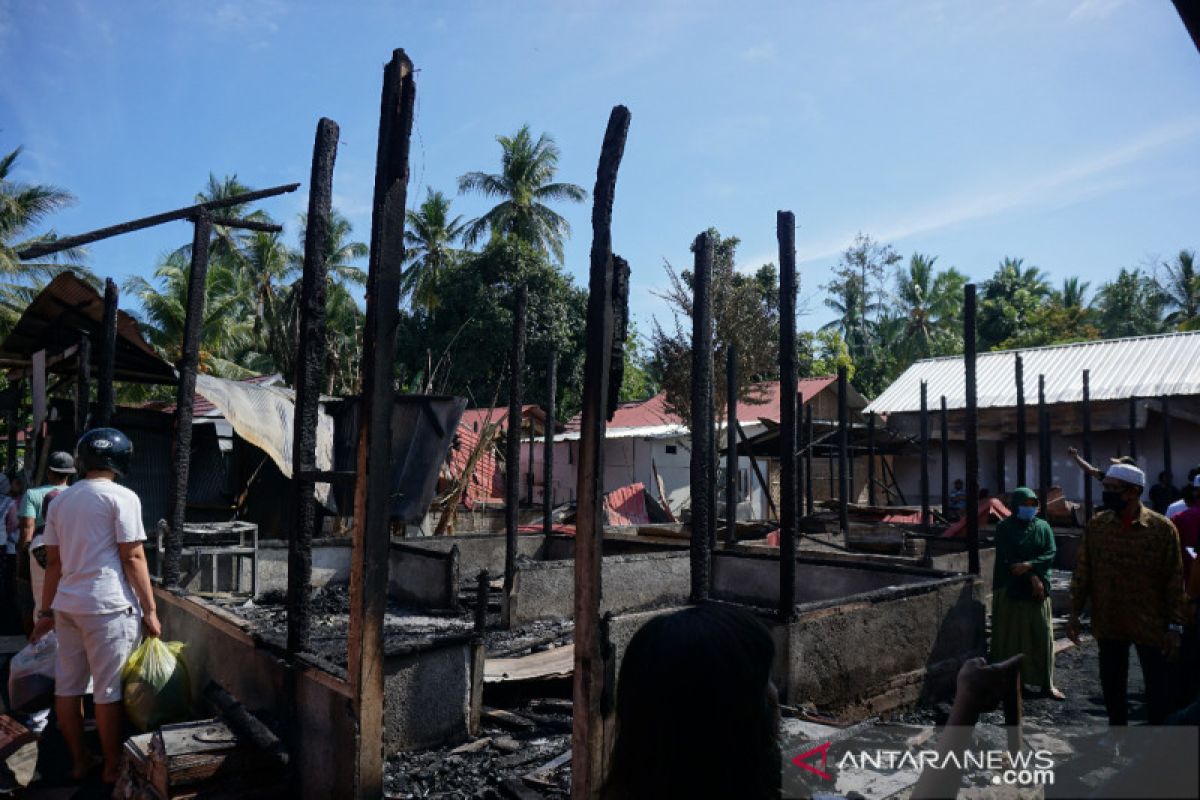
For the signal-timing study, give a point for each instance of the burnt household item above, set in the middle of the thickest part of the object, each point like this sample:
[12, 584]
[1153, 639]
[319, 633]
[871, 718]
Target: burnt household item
[423, 429]
[208, 545]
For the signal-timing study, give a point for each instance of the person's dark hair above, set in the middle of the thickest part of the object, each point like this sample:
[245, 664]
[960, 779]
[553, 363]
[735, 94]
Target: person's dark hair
[1164, 475]
[696, 713]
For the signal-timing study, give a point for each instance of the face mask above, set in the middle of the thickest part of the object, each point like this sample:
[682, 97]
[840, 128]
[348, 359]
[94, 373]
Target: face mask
[1113, 501]
[1026, 513]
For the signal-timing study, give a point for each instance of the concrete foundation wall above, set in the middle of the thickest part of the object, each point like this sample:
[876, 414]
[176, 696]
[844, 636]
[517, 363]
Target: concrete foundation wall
[478, 551]
[331, 564]
[546, 590]
[220, 649]
[887, 650]
[423, 577]
[428, 695]
[753, 579]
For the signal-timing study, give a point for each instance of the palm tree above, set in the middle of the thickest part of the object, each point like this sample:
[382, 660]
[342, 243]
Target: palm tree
[1131, 304]
[1072, 294]
[1182, 288]
[227, 242]
[928, 303]
[224, 330]
[524, 184]
[22, 207]
[339, 252]
[1009, 297]
[429, 238]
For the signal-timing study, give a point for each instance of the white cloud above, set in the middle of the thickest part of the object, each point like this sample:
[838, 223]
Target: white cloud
[763, 51]
[248, 17]
[1089, 10]
[1084, 178]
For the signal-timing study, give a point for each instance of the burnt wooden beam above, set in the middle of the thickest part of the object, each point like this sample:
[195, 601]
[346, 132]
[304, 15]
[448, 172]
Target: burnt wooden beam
[1133, 428]
[1087, 443]
[105, 403]
[548, 448]
[871, 458]
[590, 680]
[512, 440]
[785, 233]
[372, 491]
[1165, 410]
[189, 362]
[310, 358]
[189, 213]
[809, 503]
[1019, 378]
[731, 459]
[969, 345]
[83, 384]
[1043, 419]
[924, 447]
[944, 421]
[701, 477]
[247, 224]
[843, 443]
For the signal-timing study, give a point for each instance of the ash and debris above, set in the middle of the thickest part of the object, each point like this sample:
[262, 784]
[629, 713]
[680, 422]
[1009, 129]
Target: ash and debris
[536, 757]
[402, 627]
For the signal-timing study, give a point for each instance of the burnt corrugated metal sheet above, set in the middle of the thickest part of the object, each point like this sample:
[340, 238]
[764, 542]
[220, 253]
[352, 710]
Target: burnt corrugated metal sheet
[65, 308]
[1140, 366]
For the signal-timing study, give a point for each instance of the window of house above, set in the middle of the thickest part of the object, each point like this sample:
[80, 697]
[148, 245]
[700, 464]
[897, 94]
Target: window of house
[671, 449]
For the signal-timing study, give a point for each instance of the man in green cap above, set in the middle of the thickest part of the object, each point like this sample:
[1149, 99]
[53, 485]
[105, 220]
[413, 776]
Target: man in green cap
[1021, 616]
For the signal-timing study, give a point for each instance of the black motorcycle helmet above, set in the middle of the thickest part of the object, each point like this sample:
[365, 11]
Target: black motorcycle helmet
[103, 448]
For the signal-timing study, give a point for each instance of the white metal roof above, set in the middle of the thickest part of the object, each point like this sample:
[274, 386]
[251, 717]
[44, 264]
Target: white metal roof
[1139, 366]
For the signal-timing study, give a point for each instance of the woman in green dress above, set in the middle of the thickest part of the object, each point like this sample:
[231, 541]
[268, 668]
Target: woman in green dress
[1021, 618]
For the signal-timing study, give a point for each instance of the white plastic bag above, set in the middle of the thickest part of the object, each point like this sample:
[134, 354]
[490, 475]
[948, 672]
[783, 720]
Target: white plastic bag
[31, 675]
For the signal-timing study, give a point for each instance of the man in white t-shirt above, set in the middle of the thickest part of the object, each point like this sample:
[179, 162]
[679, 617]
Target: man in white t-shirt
[1181, 505]
[97, 594]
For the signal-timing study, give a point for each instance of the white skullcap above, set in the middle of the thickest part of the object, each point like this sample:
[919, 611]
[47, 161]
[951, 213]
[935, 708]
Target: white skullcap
[1196, 481]
[1128, 473]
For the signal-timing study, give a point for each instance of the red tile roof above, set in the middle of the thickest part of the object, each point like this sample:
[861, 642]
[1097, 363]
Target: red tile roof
[476, 418]
[653, 412]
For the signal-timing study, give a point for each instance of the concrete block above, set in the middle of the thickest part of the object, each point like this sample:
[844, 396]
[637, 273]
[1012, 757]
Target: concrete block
[423, 577]
[428, 696]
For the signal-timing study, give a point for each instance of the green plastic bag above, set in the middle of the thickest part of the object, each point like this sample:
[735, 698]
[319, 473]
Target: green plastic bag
[156, 686]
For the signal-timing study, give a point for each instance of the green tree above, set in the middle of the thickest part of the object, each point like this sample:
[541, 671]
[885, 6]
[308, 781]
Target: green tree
[524, 185]
[745, 311]
[930, 304]
[1182, 290]
[820, 353]
[1010, 296]
[1131, 304]
[858, 297]
[463, 349]
[637, 379]
[429, 240]
[23, 208]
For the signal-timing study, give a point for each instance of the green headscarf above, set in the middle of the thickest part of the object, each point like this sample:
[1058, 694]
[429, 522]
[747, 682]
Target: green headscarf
[1022, 495]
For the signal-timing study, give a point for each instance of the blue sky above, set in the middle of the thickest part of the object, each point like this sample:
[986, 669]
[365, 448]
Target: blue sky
[1066, 132]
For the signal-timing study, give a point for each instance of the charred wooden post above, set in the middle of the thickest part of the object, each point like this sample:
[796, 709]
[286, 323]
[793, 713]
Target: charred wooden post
[1165, 405]
[702, 483]
[1087, 444]
[1133, 428]
[944, 420]
[189, 361]
[46, 248]
[309, 360]
[785, 233]
[924, 421]
[731, 457]
[105, 404]
[481, 600]
[972, 426]
[591, 667]
[548, 444]
[871, 458]
[809, 503]
[372, 489]
[83, 384]
[1043, 444]
[842, 447]
[512, 440]
[1021, 433]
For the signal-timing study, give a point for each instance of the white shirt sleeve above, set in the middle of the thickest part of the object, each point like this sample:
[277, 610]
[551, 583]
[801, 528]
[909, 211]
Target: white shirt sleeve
[128, 522]
[50, 532]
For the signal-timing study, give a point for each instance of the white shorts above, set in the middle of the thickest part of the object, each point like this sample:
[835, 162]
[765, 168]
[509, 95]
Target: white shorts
[94, 646]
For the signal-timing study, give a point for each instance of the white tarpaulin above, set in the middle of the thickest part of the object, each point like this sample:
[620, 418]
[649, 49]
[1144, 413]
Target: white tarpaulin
[264, 417]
